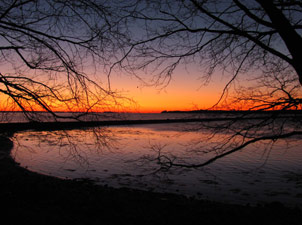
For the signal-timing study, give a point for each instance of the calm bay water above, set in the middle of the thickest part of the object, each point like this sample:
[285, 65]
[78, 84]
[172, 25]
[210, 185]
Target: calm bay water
[123, 156]
[18, 117]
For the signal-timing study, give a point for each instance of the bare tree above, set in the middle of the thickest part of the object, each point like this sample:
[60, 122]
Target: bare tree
[234, 36]
[47, 48]
[257, 41]
[50, 51]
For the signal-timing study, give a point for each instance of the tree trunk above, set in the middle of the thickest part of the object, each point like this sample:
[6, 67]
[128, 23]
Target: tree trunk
[291, 38]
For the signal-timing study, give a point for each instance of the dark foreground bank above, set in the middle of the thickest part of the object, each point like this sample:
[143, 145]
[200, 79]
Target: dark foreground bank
[30, 198]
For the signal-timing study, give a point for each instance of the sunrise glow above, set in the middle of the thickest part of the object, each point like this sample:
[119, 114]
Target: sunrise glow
[184, 92]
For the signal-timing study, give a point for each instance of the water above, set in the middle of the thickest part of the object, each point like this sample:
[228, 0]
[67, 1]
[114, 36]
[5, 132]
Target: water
[125, 156]
[19, 117]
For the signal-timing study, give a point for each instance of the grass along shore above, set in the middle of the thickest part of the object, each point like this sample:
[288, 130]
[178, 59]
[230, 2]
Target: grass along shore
[30, 198]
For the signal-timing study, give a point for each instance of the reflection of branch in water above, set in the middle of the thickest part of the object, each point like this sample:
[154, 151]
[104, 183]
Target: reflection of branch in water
[162, 159]
[71, 147]
[158, 166]
[220, 139]
[104, 139]
[170, 163]
[18, 144]
[72, 144]
[146, 162]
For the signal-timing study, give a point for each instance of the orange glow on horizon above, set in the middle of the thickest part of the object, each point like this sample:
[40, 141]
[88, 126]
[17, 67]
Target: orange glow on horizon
[183, 93]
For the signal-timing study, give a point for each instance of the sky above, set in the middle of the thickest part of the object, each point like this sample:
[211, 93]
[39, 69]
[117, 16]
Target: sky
[184, 92]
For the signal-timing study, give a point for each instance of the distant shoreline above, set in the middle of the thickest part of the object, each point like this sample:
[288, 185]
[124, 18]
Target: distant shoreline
[236, 111]
[172, 111]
